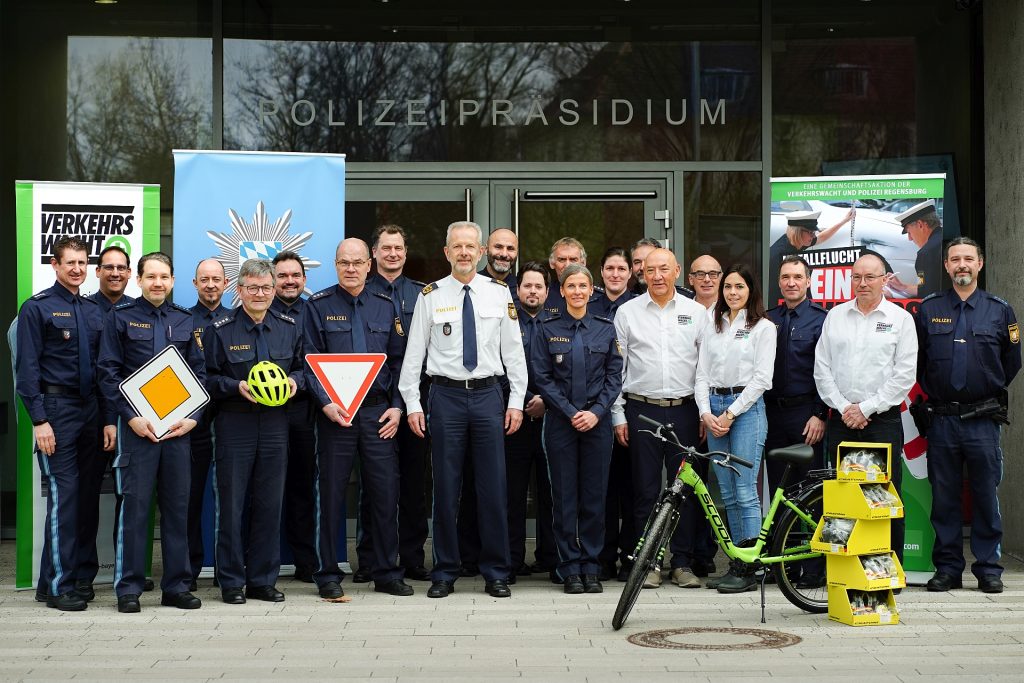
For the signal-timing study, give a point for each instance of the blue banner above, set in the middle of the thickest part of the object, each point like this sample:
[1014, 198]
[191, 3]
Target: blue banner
[234, 206]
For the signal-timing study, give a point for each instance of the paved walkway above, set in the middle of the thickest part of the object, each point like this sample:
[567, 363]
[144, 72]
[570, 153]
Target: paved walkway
[539, 634]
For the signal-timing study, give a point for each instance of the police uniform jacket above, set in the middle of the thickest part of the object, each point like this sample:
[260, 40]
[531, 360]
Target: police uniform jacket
[510, 280]
[402, 292]
[528, 326]
[128, 344]
[203, 317]
[794, 360]
[601, 305]
[105, 304]
[928, 265]
[992, 343]
[48, 344]
[551, 357]
[328, 328]
[230, 349]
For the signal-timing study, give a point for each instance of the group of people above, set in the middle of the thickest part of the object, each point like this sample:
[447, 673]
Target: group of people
[502, 377]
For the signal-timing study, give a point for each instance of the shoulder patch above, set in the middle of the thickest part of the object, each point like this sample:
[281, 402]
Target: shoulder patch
[604, 319]
[286, 318]
[382, 296]
[500, 282]
[1002, 301]
[40, 295]
[321, 294]
[512, 311]
[429, 288]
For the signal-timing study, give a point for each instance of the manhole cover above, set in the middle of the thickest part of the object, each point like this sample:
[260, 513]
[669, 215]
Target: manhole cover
[714, 639]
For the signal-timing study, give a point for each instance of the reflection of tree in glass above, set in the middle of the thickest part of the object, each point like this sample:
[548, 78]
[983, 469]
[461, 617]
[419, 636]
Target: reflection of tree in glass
[598, 225]
[127, 110]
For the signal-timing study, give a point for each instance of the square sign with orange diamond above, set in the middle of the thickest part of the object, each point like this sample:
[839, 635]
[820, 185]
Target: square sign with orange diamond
[164, 390]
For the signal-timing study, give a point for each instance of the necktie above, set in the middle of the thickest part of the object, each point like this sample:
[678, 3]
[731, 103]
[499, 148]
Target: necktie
[84, 357]
[358, 331]
[958, 377]
[787, 325]
[393, 293]
[159, 332]
[261, 343]
[579, 368]
[468, 331]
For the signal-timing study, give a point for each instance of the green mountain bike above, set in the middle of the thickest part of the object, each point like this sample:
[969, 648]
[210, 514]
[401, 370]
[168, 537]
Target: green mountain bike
[783, 545]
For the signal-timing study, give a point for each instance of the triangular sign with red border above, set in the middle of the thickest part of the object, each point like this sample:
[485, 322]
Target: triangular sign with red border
[346, 377]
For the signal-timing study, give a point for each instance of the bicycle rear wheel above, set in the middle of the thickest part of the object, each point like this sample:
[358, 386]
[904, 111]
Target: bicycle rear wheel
[647, 559]
[801, 581]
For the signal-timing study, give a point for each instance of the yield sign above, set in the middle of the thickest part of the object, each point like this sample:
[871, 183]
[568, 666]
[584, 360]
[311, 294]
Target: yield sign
[346, 377]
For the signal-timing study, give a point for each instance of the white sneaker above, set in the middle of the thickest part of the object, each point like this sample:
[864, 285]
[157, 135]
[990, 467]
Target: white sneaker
[684, 578]
[653, 579]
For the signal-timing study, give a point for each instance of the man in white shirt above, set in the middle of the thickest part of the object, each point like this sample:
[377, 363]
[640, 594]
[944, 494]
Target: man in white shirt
[865, 365]
[659, 332]
[466, 327]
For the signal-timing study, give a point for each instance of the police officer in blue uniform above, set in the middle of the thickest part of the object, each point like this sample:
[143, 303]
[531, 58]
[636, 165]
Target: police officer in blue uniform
[134, 333]
[578, 372]
[390, 253]
[922, 226]
[58, 336]
[465, 328]
[113, 272]
[209, 282]
[251, 456]
[502, 252]
[968, 353]
[348, 318]
[563, 252]
[299, 503]
[795, 412]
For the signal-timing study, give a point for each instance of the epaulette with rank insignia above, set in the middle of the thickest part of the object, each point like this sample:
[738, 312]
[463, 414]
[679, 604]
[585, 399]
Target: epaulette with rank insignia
[40, 295]
[932, 296]
[322, 293]
[286, 318]
[604, 319]
[181, 308]
[598, 290]
[125, 304]
[417, 283]
[686, 291]
[500, 282]
[550, 315]
[224, 321]
[429, 288]
[382, 295]
[996, 298]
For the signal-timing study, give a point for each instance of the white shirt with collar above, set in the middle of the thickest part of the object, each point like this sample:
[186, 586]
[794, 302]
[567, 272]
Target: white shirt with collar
[736, 356]
[867, 359]
[436, 334]
[659, 348]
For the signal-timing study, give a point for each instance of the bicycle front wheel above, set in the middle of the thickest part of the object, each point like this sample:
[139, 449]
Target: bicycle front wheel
[647, 559]
[801, 581]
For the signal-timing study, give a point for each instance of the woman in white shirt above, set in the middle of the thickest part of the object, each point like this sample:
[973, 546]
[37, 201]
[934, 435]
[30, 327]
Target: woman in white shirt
[734, 368]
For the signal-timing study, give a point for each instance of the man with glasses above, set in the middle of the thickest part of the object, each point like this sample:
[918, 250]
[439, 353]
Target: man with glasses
[705, 272]
[801, 233]
[865, 364]
[349, 318]
[210, 282]
[252, 439]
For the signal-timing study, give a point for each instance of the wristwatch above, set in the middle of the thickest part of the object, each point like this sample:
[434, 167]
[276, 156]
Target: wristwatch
[729, 415]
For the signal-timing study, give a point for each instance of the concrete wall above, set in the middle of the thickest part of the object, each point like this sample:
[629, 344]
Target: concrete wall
[1004, 238]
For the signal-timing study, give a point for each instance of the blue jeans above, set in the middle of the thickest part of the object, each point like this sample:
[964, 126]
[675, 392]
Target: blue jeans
[739, 493]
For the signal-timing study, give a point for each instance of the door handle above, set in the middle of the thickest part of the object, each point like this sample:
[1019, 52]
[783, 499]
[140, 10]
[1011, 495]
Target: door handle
[469, 204]
[515, 221]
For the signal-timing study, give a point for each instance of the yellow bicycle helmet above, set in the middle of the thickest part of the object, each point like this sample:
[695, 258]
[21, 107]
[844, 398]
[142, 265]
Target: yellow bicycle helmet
[268, 384]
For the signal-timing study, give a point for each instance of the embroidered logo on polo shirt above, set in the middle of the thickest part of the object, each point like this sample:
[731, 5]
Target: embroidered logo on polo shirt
[884, 328]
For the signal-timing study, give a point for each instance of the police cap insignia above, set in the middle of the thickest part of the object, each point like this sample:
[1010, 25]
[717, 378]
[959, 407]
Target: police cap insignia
[1014, 333]
[512, 311]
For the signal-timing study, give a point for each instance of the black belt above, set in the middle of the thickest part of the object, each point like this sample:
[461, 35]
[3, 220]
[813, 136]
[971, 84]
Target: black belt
[792, 401]
[955, 408]
[375, 399]
[60, 390]
[660, 402]
[727, 391]
[481, 383]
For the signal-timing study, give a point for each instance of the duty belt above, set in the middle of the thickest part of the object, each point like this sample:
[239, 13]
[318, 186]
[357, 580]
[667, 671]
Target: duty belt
[481, 383]
[727, 391]
[955, 408]
[661, 402]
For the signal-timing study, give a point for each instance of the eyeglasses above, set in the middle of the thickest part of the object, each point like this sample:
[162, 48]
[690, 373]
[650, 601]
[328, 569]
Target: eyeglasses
[259, 289]
[702, 274]
[345, 265]
[112, 268]
[866, 279]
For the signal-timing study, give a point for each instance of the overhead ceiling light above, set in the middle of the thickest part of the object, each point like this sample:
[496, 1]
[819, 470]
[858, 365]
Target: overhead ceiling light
[105, 2]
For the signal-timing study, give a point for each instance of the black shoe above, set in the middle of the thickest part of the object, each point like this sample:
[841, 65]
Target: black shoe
[233, 596]
[523, 570]
[512, 579]
[181, 600]
[331, 590]
[592, 584]
[396, 587]
[553, 576]
[362, 575]
[702, 568]
[128, 604]
[498, 589]
[990, 583]
[942, 582]
[809, 580]
[148, 585]
[193, 586]
[607, 572]
[304, 574]
[573, 585]
[84, 589]
[469, 570]
[419, 573]
[441, 589]
[68, 602]
[264, 593]
[623, 574]
[735, 582]
[41, 597]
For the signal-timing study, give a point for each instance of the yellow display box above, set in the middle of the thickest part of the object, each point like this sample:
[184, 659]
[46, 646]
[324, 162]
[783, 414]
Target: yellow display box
[873, 476]
[847, 499]
[869, 536]
[841, 610]
[849, 572]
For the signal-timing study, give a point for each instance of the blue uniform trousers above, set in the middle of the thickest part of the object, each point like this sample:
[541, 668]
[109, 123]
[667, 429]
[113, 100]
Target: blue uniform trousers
[524, 455]
[885, 427]
[619, 523]
[74, 423]
[785, 428]
[202, 457]
[652, 461]
[248, 477]
[467, 425]
[336, 451]
[578, 464]
[952, 444]
[299, 503]
[92, 466]
[140, 467]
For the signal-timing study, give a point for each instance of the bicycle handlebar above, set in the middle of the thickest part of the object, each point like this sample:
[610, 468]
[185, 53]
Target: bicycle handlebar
[729, 457]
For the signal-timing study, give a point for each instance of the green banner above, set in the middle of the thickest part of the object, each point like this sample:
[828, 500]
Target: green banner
[863, 187]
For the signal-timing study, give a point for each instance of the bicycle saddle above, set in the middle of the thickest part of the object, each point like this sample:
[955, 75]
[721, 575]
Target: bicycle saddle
[798, 454]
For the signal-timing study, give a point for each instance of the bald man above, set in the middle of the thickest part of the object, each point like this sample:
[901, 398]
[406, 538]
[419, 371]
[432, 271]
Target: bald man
[502, 251]
[705, 273]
